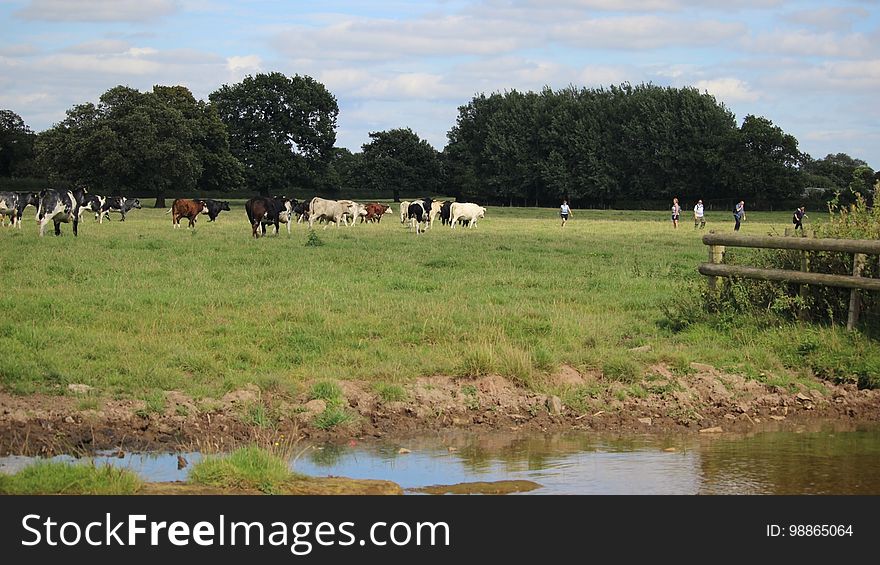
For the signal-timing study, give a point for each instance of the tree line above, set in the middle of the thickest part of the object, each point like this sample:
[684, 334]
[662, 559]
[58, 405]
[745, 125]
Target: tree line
[275, 134]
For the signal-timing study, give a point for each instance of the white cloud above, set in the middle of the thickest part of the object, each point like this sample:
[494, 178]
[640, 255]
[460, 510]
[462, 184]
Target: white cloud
[838, 18]
[97, 10]
[101, 46]
[141, 51]
[802, 43]
[841, 78]
[371, 39]
[727, 89]
[644, 32]
[107, 65]
[244, 64]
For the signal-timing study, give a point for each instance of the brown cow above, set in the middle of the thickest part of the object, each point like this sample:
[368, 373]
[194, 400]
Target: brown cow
[375, 211]
[186, 208]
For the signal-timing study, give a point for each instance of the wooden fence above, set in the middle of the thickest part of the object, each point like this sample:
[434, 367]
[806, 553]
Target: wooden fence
[860, 248]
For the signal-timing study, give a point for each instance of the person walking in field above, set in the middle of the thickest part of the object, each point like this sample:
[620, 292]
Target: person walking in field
[798, 218]
[739, 214]
[699, 218]
[676, 212]
[564, 212]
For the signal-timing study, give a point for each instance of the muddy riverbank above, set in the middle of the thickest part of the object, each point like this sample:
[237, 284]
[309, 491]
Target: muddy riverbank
[80, 419]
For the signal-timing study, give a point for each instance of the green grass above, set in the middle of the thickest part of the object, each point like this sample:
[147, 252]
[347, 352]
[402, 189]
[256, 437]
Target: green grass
[390, 392]
[326, 390]
[250, 468]
[331, 417]
[209, 311]
[47, 477]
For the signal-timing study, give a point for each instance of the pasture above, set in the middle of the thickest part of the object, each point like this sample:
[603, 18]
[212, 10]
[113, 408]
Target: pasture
[134, 308]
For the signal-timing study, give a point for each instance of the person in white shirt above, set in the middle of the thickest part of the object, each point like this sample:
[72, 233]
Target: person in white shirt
[676, 212]
[699, 218]
[564, 212]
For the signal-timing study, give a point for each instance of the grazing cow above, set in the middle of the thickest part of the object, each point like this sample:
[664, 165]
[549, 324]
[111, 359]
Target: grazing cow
[404, 207]
[60, 206]
[214, 207]
[466, 211]
[417, 214]
[93, 203]
[119, 204]
[301, 210]
[331, 210]
[185, 208]
[12, 204]
[262, 210]
[375, 211]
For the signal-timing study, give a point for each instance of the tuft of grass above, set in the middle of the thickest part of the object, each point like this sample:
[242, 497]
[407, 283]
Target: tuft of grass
[155, 402]
[331, 417]
[247, 468]
[49, 477]
[257, 414]
[326, 390]
[87, 404]
[390, 392]
[622, 368]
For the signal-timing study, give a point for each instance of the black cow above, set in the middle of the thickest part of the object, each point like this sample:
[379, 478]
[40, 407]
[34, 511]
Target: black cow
[12, 204]
[446, 212]
[60, 206]
[262, 210]
[214, 207]
[119, 204]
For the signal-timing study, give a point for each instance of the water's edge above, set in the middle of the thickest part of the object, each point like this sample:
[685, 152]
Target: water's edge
[815, 462]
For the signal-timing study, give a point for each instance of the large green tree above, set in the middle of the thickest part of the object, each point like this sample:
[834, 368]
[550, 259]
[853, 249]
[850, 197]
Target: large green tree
[281, 128]
[399, 161]
[16, 146]
[624, 144]
[141, 142]
[768, 162]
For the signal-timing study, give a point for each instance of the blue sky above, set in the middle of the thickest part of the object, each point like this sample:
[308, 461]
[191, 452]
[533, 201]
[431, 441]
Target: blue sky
[813, 68]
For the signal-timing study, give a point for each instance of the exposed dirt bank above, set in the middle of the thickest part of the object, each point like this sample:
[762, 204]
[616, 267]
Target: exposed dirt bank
[82, 420]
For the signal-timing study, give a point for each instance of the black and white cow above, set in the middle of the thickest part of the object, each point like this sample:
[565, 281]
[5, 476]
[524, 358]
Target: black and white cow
[119, 204]
[301, 211]
[214, 207]
[93, 203]
[418, 212]
[59, 206]
[12, 205]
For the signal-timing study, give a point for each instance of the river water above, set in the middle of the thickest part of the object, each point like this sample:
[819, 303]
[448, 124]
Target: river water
[807, 462]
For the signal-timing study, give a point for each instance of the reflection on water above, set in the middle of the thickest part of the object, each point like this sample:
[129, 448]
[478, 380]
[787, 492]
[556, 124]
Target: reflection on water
[820, 462]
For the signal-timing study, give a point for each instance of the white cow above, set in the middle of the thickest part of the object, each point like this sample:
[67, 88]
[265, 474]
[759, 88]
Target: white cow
[434, 212]
[404, 206]
[330, 210]
[353, 210]
[466, 211]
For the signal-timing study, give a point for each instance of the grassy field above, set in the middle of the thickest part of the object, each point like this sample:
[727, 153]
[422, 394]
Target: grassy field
[135, 308]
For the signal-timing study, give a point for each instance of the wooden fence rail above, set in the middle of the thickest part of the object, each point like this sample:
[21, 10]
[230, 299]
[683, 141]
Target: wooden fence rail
[860, 248]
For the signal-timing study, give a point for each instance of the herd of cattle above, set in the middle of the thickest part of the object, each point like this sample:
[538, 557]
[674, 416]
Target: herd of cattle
[59, 206]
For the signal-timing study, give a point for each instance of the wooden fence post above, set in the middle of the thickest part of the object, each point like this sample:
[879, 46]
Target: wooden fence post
[716, 256]
[804, 314]
[854, 299]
